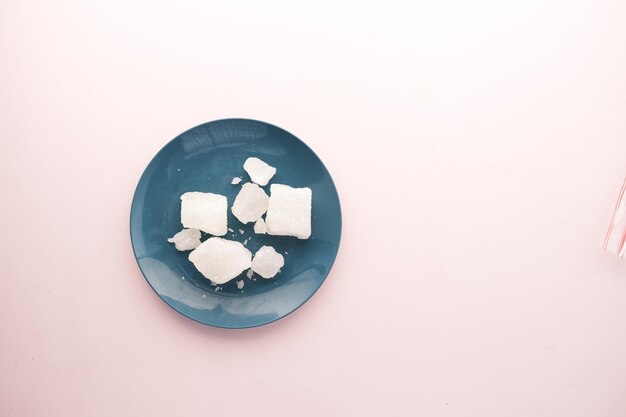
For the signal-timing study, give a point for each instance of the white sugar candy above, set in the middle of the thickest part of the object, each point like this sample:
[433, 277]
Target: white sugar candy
[250, 204]
[235, 181]
[186, 239]
[267, 262]
[259, 171]
[289, 211]
[204, 211]
[220, 260]
[260, 227]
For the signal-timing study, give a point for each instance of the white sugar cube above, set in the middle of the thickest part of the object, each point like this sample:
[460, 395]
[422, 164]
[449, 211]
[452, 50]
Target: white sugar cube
[204, 211]
[267, 262]
[220, 260]
[250, 204]
[259, 171]
[289, 211]
[235, 181]
[186, 239]
[260, 227]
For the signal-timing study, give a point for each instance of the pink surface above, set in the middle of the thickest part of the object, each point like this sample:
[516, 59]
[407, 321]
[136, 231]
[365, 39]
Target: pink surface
[478, 148]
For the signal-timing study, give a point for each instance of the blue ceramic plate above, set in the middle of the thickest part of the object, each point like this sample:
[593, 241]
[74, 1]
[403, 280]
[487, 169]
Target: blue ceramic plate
[206, 158]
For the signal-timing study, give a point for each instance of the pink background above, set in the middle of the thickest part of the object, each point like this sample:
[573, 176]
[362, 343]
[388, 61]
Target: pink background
[478, 148]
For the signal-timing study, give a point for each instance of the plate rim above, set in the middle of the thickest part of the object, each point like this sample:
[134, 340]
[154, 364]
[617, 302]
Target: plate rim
[234, 327]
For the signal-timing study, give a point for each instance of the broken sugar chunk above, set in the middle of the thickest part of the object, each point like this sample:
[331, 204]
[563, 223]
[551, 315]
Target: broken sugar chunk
[186, 239]
[250, 204]
[250, 273]
[267, 262]
[221, 260]
[235, 181]
[289, 211]
[204, 211]
[259, 171]
[260, 227]
[240, 284]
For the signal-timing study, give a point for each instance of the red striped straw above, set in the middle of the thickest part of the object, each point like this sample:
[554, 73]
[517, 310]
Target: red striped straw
[615, 240]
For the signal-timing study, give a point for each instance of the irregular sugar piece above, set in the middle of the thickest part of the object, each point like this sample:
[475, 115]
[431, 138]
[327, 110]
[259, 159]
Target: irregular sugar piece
[267, 262]
[221, 260]
[289, 211]
[250, 204]
[250, 273]
[240, 284]
[259, 171]
[186, 239]
[235, 181]
[204, 211]
[260, 227]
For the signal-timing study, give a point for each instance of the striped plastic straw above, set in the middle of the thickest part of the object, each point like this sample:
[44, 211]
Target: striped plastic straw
[615, 241]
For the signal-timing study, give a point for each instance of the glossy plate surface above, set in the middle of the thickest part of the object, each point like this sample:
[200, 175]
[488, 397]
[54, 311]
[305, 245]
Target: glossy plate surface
[206, 158]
